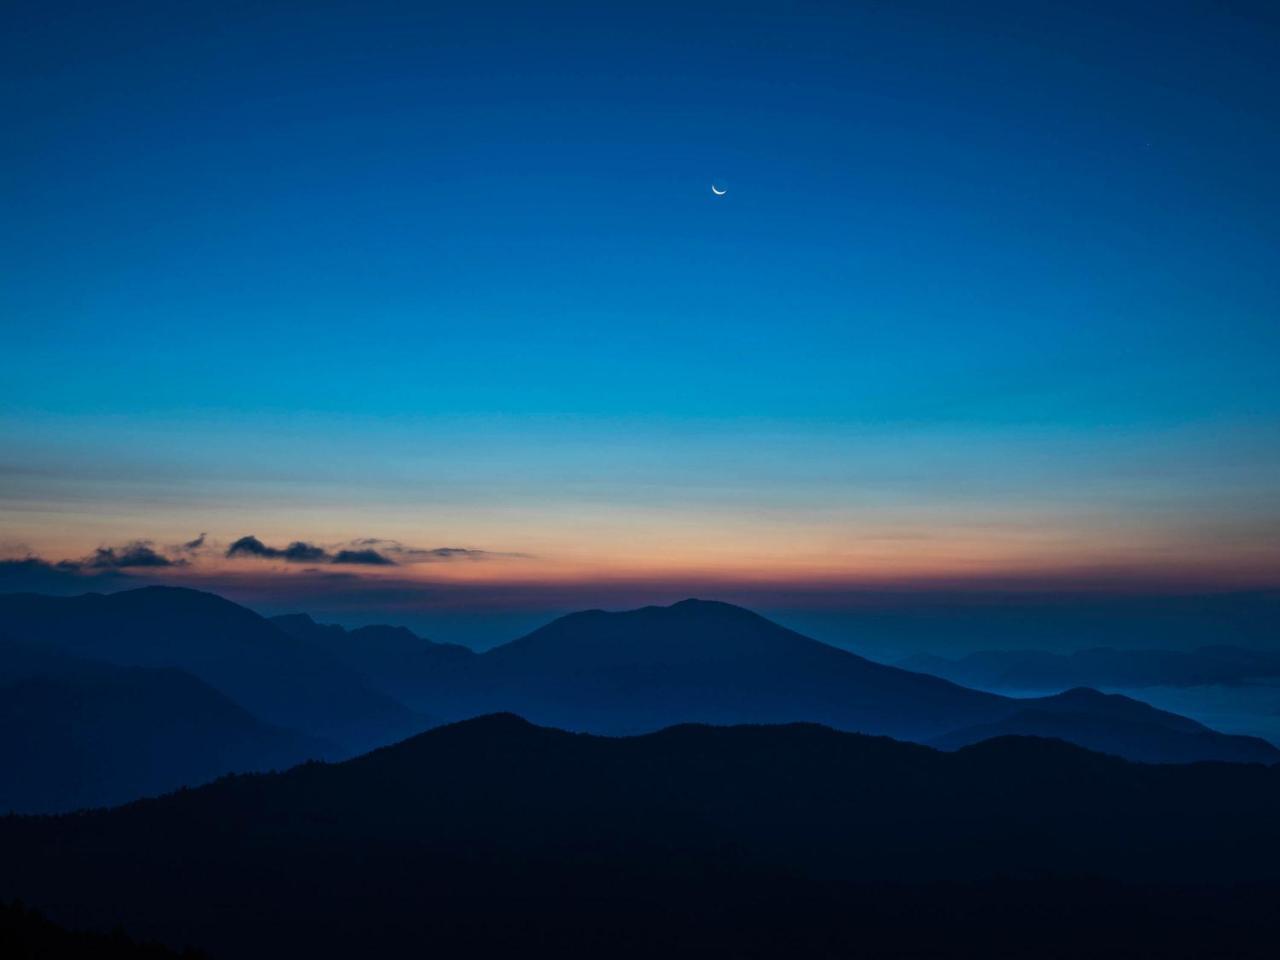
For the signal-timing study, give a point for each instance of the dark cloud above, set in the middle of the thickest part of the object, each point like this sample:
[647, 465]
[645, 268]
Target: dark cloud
[367, 556]
[251, 547]
[134, 564]
[195, 544]
[368, 551]
[139, 553]
[299, 551]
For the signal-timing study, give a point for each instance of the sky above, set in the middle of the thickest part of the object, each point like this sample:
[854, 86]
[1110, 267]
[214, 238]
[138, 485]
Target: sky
[991, 300]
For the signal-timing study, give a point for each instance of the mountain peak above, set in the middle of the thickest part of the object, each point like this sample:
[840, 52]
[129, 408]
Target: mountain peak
[1096, 703]
[689, 609]
[691, 629]
[176, 600]
[503, 720]
[711, 608]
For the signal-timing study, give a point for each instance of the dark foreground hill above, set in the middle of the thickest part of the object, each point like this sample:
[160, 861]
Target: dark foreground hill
[75, 733]
[26, 935]
[494, 837]
[641, 670]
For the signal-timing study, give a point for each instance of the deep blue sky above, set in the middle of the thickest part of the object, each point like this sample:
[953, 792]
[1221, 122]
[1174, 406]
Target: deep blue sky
[994, 287]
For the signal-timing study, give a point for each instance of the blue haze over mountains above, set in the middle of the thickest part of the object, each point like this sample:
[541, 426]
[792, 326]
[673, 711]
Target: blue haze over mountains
[709, 822]
[80, 673]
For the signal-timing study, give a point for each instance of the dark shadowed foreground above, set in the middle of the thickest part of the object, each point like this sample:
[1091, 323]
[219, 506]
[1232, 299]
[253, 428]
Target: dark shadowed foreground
[26, 935]
[494, 837]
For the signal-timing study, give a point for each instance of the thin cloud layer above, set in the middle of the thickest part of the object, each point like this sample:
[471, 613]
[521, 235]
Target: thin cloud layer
[447, 553]
[407, 554]
[363, 551]
[200, 561]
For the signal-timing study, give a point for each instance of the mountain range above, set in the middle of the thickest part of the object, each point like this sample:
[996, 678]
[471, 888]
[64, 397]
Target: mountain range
[681, 809]
[709, 662]
[77, 733]
[494, 836]
[276, 678]
[112, 697]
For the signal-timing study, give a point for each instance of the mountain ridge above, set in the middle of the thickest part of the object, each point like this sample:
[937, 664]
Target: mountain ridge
[495, 832]
[76, 733]
[595, 671]
[234, 650]
[630, 671]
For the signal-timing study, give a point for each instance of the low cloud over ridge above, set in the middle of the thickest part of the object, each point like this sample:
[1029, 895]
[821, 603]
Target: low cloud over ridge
[139, 553]
[141, 562]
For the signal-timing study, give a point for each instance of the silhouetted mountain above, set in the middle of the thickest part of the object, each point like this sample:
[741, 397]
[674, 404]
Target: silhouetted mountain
[1113, 706]
[244, 656]
[74, 733]
[699, 661]
[493, 835]
[394, 659]
[640, 670]
[1102, 667]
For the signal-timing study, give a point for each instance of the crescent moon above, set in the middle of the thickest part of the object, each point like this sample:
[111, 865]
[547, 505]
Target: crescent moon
[718, 192]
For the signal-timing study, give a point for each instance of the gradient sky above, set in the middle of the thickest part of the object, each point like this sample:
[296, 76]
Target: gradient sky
[994, 293]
